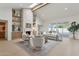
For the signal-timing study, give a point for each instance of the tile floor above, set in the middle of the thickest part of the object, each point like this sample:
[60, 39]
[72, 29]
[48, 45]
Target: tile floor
[7, 48]
[68, 47]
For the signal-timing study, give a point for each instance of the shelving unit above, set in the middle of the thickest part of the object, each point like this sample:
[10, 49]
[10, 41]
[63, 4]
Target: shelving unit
[16, 23]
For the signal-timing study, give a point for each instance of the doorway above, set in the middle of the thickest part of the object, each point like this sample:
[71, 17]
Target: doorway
[3, 26]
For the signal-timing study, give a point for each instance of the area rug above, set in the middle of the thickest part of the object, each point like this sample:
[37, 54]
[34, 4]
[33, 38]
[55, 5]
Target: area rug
[43, 52]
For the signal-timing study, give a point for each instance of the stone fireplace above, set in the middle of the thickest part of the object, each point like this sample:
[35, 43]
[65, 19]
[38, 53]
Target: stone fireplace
[28, 32]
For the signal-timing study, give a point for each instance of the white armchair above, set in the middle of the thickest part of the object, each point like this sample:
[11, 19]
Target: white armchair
[37, 42]
[26, 39]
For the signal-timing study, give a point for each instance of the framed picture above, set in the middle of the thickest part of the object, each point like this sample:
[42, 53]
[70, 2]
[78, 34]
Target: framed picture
[28, 25]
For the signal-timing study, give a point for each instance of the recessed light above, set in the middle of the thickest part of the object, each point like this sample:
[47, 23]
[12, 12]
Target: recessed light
[66, 8]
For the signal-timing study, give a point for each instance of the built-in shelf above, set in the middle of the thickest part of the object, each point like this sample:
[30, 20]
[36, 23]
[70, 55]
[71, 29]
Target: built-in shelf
[16, 19]
[16, 23]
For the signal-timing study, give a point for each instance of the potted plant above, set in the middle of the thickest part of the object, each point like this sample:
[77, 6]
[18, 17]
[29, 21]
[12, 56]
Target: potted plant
[73, 28]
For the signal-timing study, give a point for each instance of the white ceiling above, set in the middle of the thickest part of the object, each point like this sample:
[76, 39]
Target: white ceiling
[58, 10]
[15, 5]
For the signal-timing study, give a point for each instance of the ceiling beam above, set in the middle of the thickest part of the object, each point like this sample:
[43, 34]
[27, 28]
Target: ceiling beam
[39, 6]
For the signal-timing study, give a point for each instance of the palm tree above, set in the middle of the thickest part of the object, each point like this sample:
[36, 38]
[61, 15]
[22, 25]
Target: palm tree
[73, 28]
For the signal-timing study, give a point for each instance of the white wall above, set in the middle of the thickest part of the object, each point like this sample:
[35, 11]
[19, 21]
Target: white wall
[27, 18]
[6, 14]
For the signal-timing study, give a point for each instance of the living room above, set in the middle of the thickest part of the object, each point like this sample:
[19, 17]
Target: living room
[36, 29]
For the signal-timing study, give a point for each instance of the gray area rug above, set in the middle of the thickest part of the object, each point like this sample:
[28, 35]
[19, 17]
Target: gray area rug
[43, 52]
